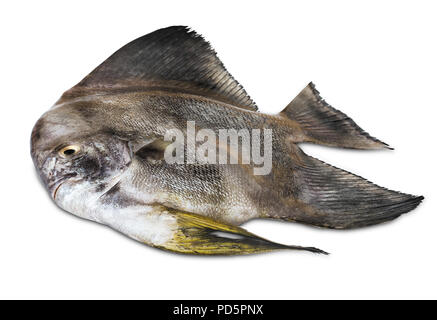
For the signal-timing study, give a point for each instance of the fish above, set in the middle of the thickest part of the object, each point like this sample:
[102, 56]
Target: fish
[101, 150]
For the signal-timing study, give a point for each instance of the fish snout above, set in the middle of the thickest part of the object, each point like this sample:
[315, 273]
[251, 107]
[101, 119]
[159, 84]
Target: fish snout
[51, 172]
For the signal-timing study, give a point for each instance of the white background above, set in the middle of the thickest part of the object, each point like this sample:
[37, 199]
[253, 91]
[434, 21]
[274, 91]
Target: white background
[375, 61]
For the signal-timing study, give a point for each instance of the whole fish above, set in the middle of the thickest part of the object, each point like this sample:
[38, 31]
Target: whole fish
[100, 151]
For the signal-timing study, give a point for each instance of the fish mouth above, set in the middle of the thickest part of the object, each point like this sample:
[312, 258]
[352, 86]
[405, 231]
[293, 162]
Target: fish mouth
[54, 187]
[56, 190]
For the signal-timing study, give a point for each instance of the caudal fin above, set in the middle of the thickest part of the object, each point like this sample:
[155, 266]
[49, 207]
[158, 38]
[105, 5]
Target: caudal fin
[330, 197]
[322, 124]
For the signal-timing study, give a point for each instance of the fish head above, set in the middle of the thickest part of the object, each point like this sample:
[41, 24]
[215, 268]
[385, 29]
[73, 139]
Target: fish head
[73, 158]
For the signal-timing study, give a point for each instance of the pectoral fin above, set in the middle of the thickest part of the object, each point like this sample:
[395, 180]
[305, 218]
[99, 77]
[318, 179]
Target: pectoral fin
[201, 235]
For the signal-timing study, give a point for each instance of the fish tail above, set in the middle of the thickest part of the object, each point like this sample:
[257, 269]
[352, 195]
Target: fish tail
[322, 124]
[326, 196]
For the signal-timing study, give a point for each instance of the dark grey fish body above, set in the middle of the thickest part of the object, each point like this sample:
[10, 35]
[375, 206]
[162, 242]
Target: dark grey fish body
[223, 192]
[100, 152]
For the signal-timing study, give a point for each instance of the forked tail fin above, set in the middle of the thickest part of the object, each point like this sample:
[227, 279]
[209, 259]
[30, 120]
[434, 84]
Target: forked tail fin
[322, 124]
[330, 197]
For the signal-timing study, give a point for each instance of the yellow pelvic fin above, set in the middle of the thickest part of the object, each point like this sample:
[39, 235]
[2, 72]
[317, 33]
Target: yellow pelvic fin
[201, 235]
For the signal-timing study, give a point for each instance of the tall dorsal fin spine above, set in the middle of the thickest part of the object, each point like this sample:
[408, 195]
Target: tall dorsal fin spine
[177, 58]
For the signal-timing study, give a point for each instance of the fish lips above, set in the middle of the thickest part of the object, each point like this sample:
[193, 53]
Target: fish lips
[54, 186]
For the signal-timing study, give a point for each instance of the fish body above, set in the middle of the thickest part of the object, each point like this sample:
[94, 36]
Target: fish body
[100, 150]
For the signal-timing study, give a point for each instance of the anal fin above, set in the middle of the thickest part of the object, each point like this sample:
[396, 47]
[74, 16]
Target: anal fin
[333, 198]
[322, 124]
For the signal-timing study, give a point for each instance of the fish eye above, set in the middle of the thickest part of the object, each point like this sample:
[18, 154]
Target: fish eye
[69, 151]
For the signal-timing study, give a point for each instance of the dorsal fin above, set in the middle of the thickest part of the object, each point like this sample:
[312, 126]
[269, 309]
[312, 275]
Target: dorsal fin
[174, 58]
